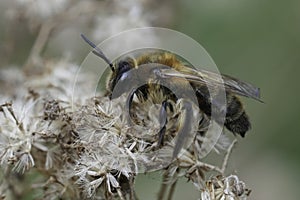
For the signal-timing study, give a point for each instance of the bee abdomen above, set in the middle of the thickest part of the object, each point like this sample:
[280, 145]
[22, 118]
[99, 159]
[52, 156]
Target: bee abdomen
[237, 120]
[238, 125]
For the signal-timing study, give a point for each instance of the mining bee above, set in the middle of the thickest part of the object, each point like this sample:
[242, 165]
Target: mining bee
[164, 70]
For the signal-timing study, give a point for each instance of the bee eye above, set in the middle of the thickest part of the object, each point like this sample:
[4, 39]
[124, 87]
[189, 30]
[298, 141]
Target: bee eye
[123, 66]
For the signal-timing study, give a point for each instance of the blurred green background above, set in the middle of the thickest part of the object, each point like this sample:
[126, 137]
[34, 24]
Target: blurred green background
[258, 42]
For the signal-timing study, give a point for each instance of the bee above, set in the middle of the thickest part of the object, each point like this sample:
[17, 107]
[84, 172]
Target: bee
[164, 70]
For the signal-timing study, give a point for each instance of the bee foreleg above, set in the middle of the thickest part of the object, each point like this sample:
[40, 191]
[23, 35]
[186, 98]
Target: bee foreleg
[187, 126]
[129, 100]
[163, 122]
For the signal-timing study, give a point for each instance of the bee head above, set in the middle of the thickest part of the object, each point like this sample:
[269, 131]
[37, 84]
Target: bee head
[123, 66]
[122, 73]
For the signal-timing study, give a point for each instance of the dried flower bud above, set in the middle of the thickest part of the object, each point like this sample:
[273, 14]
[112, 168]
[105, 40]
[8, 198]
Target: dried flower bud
[225, 188]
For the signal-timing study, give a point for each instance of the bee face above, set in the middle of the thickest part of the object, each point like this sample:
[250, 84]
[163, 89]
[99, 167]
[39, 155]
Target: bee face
[121, 72]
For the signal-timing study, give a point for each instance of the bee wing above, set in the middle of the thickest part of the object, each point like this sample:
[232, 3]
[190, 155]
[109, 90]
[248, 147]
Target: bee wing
[214, 80]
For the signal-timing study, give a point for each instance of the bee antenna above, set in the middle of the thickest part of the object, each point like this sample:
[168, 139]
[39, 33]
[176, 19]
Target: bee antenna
[97, 51]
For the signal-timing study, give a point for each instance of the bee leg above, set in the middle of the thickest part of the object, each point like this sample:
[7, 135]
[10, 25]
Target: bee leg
[163, 122]
[129, 100]
[185, 129]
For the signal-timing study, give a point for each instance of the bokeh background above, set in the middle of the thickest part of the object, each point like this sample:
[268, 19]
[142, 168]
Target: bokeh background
[256, 41]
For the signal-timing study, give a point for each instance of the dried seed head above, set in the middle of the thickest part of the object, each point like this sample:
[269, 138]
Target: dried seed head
[219, 188]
